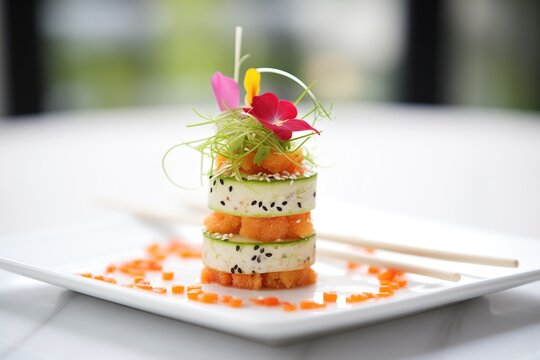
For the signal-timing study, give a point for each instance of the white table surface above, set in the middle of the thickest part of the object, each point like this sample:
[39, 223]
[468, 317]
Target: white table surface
[475, 168]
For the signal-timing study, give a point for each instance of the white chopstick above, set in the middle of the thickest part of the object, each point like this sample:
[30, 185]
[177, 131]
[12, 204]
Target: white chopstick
[378, 261]
[424, 252]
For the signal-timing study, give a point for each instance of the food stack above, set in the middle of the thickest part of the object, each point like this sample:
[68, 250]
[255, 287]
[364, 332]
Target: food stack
[260, 234]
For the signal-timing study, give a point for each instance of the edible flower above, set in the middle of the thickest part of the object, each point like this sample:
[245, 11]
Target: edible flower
[278, 116]
[226, 91]
[252, 84]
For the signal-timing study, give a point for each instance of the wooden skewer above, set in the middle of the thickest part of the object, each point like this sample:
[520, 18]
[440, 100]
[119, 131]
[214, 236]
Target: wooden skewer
[378, 261]
[424, 252]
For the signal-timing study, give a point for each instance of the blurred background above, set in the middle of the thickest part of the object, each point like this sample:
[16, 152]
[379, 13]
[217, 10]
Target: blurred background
[59, 55]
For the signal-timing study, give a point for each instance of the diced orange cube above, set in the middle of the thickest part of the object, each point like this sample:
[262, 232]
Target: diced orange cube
[388, 275]
[208, 298]
[99, 277]
[169, 275]
[160, 290]
[271, 301]
[310, 304]
[138, 279]
[373, 270]
[111, 268]
[194, 294]
[235, 303]
[86, 275]
[177, 289]
[257, 301]
[289, 307]
[385, 289]
[329, 297]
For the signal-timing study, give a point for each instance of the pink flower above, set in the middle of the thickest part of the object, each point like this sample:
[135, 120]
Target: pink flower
[278, 116]
[226, 91]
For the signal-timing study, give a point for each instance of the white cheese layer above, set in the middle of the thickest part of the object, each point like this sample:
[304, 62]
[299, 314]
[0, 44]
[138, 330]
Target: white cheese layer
[256, 198]
[239, 255]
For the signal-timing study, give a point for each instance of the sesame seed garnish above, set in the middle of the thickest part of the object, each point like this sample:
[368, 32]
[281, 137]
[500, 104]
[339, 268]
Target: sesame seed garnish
[232, 270]
[265, 208]
[237, 247]
[256, 247]
[272, 204]
[299, 204]
[254, 202]
[268, 254]
[260, 203]
[259, 259]
[284, 203]
[239, 270]
[235, 266]
[214, 182]
[211, 190]
[230, 188]
[221, 181]
[254, 257]
[278, 208]
[262, 250]
[222, 202]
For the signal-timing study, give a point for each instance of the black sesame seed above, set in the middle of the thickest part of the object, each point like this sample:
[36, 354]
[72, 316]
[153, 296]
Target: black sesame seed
[214, 182]
[253, 271]
[237, 247]
[222, 202]
[314, 193]
[221, 181]
[232, 270]
[278, 208]
[211, 190]
[254, 257]
[254, 202]
[265, 208]
[260, 203]
[239, 270]
[230, 188]
[256, 247]
[299, 204]
[284, 203]
[259, 259]
[272, 204]
[262, 250]
[236, 266]
[268, 254]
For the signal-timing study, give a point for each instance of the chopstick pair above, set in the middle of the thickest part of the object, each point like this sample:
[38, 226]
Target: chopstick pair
[352, 240]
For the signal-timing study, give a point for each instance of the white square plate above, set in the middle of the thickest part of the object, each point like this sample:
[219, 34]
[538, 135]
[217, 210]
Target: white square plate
[90, 247]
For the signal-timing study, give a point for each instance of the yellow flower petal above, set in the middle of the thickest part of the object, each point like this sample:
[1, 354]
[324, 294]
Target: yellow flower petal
[252, 84]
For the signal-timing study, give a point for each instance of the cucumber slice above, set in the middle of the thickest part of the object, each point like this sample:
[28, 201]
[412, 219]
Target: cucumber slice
[239, 255]
[258, 198]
